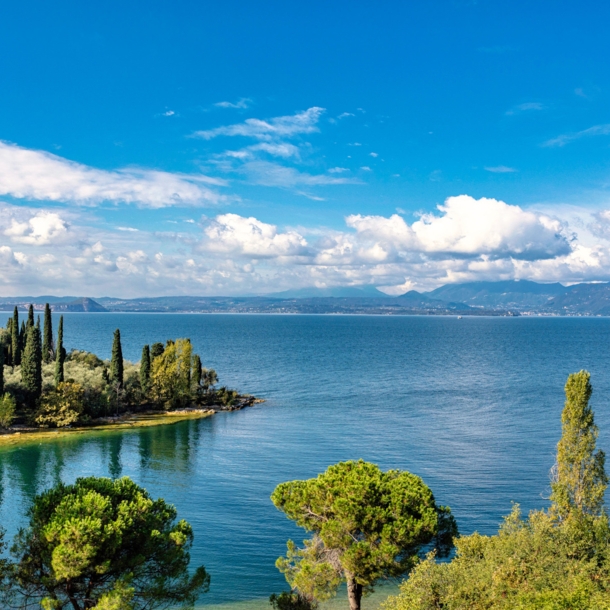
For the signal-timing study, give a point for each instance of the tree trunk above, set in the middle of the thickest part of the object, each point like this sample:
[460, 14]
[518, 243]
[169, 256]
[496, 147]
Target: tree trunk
[354, 593]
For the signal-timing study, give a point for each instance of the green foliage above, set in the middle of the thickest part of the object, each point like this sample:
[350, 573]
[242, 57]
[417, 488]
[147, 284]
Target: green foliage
[106, 544]
[15, 339]
[209, 379]
[47, 336]
[367, 525]
[291, 601]
[31, 366]
[60, 353]
[145, 370]
[579, 477]
[7, 410]
[555, 559]
[89, 360]
[62, 406]
[226, 397]
[197, 372]
[171, 374]
[156, 350]
[30, 322]
[116, 362]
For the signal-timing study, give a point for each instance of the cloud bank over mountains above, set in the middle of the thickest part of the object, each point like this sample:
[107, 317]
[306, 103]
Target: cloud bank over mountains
[192, 235]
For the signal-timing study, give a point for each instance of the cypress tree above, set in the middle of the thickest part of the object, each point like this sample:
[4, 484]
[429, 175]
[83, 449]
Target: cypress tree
[15, 346]
[1, 369]
[31, 364]
[47, 335]
[30, 317]
[196, 370]
[579, 475]
[22, 338]
[9, 349]
[116, 361]
[145, 369]
[156, 350]
[60, 353]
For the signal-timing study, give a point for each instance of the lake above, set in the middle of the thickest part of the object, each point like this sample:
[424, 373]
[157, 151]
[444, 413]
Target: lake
[472, 405]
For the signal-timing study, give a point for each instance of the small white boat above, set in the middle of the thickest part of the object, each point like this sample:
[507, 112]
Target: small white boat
[459, 317]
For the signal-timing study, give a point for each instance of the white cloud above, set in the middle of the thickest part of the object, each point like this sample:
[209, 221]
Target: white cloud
[528, 106]
[338, 170]
[40, 175]
[374, 154]
[500, 169]
[42, 229]
[241, 104]
[270, 129]
[272, 174]
[566, 138]
[128, 229]
[230, 233]
[470, 227]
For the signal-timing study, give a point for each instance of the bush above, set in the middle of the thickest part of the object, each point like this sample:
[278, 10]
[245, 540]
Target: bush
[62, 406]
[291, 601]
[7, 410]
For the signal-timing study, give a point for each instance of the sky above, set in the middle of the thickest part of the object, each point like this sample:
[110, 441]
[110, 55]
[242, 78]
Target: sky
[240, 148]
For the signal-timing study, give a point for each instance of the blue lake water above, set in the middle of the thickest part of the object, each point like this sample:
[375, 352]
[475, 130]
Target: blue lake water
[472, 405]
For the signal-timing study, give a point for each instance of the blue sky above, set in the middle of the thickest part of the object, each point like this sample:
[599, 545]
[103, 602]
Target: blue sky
[152, 148]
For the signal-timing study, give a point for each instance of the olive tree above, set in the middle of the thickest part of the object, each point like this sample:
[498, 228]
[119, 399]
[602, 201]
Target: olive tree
[104, 544]
[367, 525]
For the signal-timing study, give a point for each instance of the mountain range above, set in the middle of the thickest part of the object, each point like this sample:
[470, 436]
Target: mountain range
[515, 297]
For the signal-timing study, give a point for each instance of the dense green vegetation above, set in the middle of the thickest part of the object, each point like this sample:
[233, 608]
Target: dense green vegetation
[367, 525]
[42, 385]
[101, 544]
[553, 559]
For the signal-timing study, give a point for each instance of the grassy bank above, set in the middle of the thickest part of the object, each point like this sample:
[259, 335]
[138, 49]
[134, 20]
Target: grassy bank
[12, 438]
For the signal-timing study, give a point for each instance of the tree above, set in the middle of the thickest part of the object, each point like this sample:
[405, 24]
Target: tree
[171, 374]
[62, 406]
[1, 367]
[47, 336]
[210, 378]
[367, 525]
[60, 353]
[104, 544]
[30, 322]
[145, 370]
[579, 476]
[31, 364]
[116, 361]
[156, 350]
[15, 343]
[197, 372]
[7, 410]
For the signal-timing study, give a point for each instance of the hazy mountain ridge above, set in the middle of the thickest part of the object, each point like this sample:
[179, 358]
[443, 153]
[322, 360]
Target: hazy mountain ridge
[472, 298]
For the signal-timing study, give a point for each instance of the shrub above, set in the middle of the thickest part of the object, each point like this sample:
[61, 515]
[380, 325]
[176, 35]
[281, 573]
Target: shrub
[7, 410]
[62, 406]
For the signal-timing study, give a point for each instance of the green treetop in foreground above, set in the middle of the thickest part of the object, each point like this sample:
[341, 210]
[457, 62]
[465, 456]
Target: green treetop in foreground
[367, 525]
[102, 544]
[553, 560]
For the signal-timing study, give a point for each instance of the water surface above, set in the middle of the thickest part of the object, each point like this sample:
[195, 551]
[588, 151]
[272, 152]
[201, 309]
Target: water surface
[473, 406]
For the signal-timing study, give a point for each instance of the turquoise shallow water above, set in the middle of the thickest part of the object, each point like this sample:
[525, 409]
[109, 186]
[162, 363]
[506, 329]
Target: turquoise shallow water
[471, 405]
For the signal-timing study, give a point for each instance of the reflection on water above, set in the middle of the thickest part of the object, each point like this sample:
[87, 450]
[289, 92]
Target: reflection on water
[472, 406]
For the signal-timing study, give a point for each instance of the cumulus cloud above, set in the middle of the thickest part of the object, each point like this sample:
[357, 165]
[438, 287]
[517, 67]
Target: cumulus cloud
[42, 229]
[231, 233]
[241, 104]
[270, 129]
[470, 227]
[40, 175]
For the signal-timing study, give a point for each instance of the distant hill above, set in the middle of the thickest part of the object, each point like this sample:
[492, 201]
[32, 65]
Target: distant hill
[472, 298]
[336, 291]
[514, 294]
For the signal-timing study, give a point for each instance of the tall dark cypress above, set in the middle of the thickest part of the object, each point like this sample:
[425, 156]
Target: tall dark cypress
[47, 336]
[30, 317]
[145, 369]
[22, 338]
[9, 348]
[15, 345]
[31, 364]
[116, 361]
[1, 369]
[60, 353]
[196, 370]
